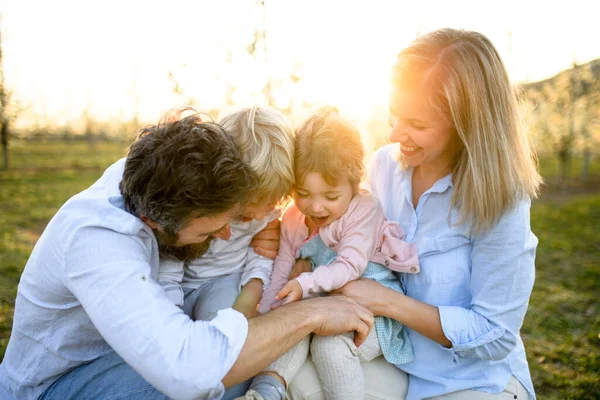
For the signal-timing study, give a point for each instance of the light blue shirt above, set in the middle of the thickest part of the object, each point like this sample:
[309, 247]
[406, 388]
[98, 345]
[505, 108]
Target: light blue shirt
[90, 287]
[481, 285]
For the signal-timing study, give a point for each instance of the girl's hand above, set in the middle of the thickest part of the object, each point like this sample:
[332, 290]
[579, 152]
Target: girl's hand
[266, 242]
[366, 292]
[302, 265]
[290, 292]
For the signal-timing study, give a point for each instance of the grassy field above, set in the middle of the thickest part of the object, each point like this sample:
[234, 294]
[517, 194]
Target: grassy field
[562, 328]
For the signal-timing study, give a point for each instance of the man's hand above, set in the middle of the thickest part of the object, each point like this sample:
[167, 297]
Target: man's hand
[273, 333]
[266, 242]
[302, 265]
[290, 292]
[340, 314]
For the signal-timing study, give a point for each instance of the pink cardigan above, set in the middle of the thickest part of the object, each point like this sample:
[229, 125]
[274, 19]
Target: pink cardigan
[361, 235]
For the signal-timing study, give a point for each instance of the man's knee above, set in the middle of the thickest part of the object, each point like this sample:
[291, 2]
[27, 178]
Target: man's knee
[106, 377]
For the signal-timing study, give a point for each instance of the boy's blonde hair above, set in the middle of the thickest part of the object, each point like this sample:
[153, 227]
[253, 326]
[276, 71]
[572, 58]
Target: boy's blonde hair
[265, 138]
[330, 145]
[466, 82]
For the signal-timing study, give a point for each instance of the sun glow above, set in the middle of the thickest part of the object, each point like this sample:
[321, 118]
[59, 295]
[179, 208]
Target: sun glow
[115, 60]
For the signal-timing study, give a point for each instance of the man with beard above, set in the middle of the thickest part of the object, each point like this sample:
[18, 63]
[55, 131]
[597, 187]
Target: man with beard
[90, 320]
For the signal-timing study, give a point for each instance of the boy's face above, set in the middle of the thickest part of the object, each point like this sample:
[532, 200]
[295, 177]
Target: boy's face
[256, 210]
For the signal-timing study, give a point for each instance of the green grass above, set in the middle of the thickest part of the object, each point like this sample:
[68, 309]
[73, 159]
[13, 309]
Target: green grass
[562, 328]
[43, 176]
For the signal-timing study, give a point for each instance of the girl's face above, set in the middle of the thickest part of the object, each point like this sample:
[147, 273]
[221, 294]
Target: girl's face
[320, 203]
[425, 137]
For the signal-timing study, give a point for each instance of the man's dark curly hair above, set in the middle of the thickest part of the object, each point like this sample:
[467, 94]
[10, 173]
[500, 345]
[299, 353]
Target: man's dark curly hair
[184, 168]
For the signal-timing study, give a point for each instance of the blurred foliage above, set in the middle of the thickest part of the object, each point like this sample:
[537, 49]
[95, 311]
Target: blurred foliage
[562, 328]
[565, 110]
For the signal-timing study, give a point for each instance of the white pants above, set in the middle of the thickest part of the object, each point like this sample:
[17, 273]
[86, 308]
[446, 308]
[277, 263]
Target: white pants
[386, 382]
[337, 360]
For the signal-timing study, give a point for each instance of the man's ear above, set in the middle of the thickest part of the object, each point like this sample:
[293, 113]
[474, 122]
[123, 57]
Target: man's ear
[150, 223]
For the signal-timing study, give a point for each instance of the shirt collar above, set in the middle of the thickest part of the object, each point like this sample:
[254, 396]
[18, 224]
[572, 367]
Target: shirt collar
[440, 186]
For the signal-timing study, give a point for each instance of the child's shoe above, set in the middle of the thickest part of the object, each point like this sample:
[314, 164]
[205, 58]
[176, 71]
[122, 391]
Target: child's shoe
[251, 395]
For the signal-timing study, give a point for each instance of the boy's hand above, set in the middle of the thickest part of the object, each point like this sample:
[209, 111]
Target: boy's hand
[249, 310]
[290, 292]
[247, 300]
[302, 265]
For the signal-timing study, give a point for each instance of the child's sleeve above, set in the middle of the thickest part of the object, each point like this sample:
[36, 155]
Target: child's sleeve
[284, 262]
[170, 276]
[360, 229]
[257, 266]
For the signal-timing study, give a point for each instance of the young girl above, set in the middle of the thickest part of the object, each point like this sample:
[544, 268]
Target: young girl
[344, 234]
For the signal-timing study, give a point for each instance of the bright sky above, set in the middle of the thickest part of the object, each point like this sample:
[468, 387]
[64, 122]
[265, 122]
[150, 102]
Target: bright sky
[113, 57]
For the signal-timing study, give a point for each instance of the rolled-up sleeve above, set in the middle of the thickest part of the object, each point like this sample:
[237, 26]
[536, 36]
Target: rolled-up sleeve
[184, 359]
[502, 276]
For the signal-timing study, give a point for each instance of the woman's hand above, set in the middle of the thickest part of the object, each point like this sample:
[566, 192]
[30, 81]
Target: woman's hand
[367, 293]
[266, 242]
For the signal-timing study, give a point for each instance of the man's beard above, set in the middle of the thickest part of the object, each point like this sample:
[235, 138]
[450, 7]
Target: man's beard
[187, 253]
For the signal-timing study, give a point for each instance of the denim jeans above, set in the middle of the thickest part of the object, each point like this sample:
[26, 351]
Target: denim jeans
[108, 378]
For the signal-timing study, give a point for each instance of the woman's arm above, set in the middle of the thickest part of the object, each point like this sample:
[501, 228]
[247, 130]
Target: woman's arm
[421, 317]
[502, 275]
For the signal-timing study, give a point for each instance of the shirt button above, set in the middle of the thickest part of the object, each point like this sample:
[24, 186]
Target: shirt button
[413, 269]
[387, 263]
[331, 245]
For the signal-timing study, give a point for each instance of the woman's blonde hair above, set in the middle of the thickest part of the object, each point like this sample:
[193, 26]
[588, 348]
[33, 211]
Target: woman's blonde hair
[330, 145]
[265, 138]
[466, 82]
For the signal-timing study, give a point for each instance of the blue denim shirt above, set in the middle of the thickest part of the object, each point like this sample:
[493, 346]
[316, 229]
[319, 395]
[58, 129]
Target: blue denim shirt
[481, 285]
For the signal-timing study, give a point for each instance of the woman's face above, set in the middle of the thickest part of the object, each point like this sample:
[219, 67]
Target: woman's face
[425, 137]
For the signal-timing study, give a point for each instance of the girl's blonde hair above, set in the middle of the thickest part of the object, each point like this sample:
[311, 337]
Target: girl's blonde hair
[265, 138]
[466, 82]
[330, 145]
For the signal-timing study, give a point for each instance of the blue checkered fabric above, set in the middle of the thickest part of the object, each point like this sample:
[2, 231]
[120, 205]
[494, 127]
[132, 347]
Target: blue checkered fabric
[393, 338]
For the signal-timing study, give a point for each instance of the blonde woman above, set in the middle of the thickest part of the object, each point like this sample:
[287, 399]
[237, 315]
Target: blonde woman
[458, 179]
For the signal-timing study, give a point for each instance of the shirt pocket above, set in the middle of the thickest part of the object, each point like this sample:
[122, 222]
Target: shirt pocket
[443, 260]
